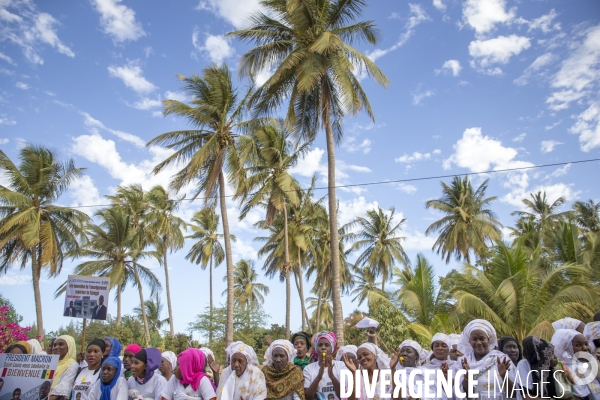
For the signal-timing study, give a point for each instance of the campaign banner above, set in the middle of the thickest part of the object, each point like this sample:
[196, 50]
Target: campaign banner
[86, 297]
[26, 376]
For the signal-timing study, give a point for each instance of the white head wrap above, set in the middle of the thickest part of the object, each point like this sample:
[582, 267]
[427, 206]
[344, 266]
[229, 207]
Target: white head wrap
[441, 337]
[286, 345]
[207, 352]
[171, 357]
[243, 348]
[591, 333]
[562, 340]
[566, 323]
[383, 361]
[36, 347]
[477, 325]
[422, 354]
[348, 349]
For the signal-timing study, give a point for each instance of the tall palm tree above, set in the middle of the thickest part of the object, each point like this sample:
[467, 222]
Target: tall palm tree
[322, 315]
[133, 200]
[207, 248]
[154, 308]
[520, 296]
[216, 115]
[110, 246]
[268, 154]
[32, 227]
[364, 285]
[468, 225]
[381, 245]
[310, 44]
[168, 229]
[587, 215]
[544, 214]
[246, 290]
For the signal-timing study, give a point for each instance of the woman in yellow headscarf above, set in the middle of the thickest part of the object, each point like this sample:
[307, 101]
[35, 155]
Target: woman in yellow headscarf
[67, 368]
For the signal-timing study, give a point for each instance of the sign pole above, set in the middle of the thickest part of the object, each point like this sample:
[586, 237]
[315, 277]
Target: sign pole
[83, 335]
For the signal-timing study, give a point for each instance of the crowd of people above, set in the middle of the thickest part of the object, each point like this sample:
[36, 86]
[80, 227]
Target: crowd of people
[309, 367]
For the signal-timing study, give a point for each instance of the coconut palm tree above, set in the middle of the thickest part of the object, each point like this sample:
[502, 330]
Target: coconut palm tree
[134, 202]
[110, 246]
[520, 296]
[322, 315]
[168, 229]
[468, 224]
[208, 149]
[587, 215]
[267, 154]
[154, 309]
[544, 214]
[33, 229]
[206, 249]
[380, 244]
[364, 285]
[246, 290]
[310, 45]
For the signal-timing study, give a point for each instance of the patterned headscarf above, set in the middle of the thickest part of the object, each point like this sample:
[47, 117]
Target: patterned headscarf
[105, 388]
[191, 365]
[304, 335]
[348, 349]
[566, 323]
[383, 361]
[562, 340]
[252, 382]
[286, 345]
[115, 347]
[478, 325]
[591, 333]
[330, 337]
[241, 347]
[538, 354]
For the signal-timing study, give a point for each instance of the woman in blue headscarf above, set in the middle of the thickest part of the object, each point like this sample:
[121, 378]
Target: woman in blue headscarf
[113, 347]
[111, 385]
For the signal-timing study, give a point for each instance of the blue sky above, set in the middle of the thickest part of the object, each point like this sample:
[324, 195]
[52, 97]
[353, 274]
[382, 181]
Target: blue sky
[475, 85]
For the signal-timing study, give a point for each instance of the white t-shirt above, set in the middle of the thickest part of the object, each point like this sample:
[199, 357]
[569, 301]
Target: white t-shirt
[84, 381]
[153, 389]
[325, 388]
[118, 392]
[175, 390]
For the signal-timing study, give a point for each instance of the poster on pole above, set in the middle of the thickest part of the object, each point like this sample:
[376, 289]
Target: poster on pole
[26, 376]
[86, 297]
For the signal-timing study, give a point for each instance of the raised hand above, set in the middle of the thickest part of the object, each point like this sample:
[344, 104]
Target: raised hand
[395, 358]
[445, 369]
[214, 365]
[268, 340]
[349, 363]
[503, 366]
[465, 364]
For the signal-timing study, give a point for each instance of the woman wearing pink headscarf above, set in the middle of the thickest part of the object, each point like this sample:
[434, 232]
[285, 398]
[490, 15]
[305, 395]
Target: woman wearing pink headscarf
[190, 378]
[322, 378]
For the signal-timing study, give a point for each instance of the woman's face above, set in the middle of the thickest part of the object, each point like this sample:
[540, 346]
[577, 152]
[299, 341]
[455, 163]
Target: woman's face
[138, 368]
[239, 363]
[454, 353]
[165, 368]
[511, 349]
[60, 347]
[366, 359]
[300, 346]
[580, 344]
[280, 358]
[93, 356]
[108, 373]
[323, 346]
[107, 350]
[440, 350]
[16, 350]
[128, 357]
[410, 356]
[479, 342]
[177, 373]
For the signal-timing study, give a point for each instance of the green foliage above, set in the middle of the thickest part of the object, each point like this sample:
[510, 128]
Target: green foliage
[393, 328]
[11, 315]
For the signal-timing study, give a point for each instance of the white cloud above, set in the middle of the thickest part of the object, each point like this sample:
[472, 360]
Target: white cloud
[450, 67]
[545, 23]
[242, 249]
[22, 86]
[148, 51]
[12, 279]
[410, 158]
[561, 171]
[420, 95]
[587, 127]
[233, 11]
[520, 138]
[554, 125]
[7, 59]
[131, 75]
[417, 241]
[406, 188]
[147, 103]
[93, 123]
[350, 209]
[439, 5]
[83, 192]
[352, 146]
[496, 51]
[394, 15]
[417, 16]
[118, 20]
[483, 15]
[553, 192]
[549, 145]
[3, 141]
[4, 120]
[481, 153]
[539, 63]
[437, 151]
[44, 31]
[216, 47]
[179, 96]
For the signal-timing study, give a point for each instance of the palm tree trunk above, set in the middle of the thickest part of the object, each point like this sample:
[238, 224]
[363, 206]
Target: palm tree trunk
[210, 332]
[36, 271]
[168, 290]
[302, 302]
[118, 305]
[142, 303]
[338, 314]
[319, 300]
[228, 259]
[298, 289]
[286, 251]
[383, 284]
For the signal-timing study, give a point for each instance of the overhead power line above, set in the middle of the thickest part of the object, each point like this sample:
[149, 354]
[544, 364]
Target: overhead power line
[425, 178]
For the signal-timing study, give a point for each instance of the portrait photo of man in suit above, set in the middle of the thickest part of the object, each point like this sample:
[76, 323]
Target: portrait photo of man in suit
[99, 312]
[69, 311]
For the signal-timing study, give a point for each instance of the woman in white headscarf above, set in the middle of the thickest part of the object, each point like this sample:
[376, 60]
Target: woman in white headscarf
[568, 342]
[569, 323]
[284, 380]
[167, 365]
[242, 379]
[479, 340]
[350, 351]
[370, 358]
[439, 360]
[36, 347]
[410, 356]
[212, 368]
